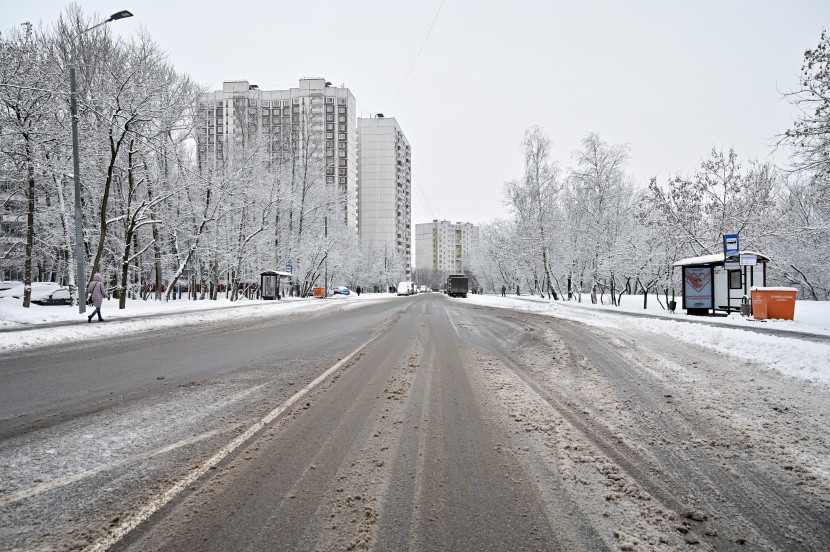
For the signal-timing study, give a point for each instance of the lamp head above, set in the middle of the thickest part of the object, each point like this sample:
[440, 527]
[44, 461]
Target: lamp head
[120, 15]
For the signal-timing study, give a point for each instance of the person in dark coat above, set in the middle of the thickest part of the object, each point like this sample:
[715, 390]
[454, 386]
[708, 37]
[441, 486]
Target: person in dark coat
[503, 291]
[358, 291]
[97, 291]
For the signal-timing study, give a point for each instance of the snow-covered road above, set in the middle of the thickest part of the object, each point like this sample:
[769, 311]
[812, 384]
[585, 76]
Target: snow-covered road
[620, 432]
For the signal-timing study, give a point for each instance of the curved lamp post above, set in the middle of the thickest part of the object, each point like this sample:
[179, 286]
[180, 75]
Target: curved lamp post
[73, 101]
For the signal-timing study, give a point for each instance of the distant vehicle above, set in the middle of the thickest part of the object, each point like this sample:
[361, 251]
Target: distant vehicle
[406, 288]
[457, 285]
[340, 290]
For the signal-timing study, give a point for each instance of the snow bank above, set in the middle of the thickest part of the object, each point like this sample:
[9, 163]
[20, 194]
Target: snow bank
[730, 335]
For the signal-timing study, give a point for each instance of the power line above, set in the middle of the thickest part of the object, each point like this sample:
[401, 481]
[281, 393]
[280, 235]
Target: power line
[416, 56]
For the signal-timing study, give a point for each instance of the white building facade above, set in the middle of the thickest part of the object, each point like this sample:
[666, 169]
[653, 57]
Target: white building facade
[443, 245]
[315, 121]
[385, 187]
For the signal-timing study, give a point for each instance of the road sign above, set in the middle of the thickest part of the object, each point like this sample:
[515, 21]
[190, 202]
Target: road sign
[289, 268]
[730, 244]
[749, 260]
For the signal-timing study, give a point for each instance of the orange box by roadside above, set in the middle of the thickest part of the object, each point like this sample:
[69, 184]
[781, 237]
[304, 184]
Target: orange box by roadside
[319, 292]
[773, 303]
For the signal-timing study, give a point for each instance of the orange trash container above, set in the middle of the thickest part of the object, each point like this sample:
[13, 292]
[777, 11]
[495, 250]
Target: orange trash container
[773, 303]
[319, 292]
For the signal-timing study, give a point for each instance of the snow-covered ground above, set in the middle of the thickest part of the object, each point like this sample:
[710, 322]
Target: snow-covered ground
[46, 325]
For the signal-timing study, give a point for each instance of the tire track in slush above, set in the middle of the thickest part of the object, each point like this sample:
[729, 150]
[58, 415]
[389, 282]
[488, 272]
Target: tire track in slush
[697, 471]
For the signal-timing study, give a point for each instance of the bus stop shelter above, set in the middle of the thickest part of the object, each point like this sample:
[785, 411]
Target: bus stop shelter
[270, 283]
[720, 282]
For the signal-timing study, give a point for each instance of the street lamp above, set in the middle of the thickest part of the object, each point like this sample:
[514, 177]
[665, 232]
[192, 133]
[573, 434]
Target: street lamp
[73, 102]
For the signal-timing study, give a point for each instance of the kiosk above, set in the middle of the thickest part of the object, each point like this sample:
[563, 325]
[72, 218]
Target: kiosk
[720, 282]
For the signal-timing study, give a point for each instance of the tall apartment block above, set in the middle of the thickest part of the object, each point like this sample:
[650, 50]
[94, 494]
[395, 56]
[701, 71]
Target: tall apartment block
[443, 245]
[385, 186]
[315, 121]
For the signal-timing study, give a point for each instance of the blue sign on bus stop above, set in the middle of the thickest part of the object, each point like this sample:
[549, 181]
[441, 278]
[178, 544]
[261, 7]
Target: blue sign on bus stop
[289, 268]
[730, 244]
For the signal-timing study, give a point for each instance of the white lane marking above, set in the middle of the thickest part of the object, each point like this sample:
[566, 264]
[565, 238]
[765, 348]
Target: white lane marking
[151, 508]
[34, 491]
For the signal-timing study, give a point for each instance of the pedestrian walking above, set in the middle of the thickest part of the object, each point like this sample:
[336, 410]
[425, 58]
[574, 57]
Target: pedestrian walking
[503, 291]
[97, 291]
[358, 291]
[517, 291]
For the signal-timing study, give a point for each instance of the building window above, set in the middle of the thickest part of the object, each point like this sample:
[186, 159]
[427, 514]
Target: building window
[276, 111]
[341, 163]
[341, 136]
[330, 170]
[341, 101]
[341, 154]
[342, 179]
[329, 145]
[340, 118]
[341, 145]
[329, 126]
[329, 180]
[342, 128]
[341, 109]
[341, 172]
[265, 104]
[329, 136]
[329, 117]
[329, 109]
[295, 101]
[329, 100]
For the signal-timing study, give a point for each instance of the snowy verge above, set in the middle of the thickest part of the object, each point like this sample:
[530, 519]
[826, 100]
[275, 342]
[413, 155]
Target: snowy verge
[728, 336]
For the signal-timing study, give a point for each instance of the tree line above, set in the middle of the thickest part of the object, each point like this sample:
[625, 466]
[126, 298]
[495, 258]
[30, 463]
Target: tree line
[157, 216]
[591, 230]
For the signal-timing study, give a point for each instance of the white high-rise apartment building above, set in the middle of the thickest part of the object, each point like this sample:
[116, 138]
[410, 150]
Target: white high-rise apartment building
[385, 187]
[443, 245]
[316, 121]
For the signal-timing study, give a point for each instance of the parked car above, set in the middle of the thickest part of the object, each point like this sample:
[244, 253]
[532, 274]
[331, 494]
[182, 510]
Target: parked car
[57, 297]
[40, 290]
[8, 284]
[340, 290]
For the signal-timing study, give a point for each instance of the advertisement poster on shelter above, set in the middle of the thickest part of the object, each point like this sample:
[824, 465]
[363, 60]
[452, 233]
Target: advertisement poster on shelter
[698, 288]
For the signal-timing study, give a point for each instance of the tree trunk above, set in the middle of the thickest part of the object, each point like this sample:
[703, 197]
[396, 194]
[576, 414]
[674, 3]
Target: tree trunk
[115, 146]
[30, 227]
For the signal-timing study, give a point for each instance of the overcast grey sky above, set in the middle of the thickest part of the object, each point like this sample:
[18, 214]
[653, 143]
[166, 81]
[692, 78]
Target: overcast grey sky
[670, 79]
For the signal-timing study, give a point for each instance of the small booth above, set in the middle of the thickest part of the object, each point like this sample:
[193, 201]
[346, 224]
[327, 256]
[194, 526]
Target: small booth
[720, 282]
[270, 283]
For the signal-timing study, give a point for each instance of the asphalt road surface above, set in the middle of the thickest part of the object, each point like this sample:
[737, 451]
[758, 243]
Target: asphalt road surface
[421, 423]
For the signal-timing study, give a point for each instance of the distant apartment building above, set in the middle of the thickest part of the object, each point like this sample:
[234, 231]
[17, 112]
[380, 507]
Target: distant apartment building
[12, 231]
[384, 187]
[314, 122]
[443, 245]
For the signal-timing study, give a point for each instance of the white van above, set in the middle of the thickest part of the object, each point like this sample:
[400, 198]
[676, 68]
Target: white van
[405, 288]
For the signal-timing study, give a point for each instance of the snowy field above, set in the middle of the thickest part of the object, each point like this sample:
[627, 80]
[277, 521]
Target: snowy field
[45, 325]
